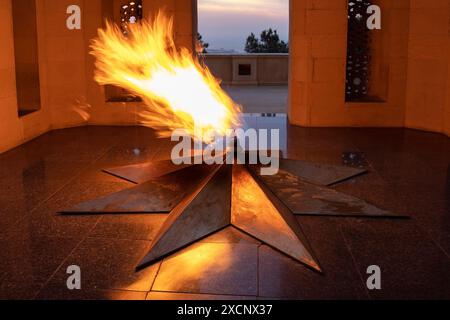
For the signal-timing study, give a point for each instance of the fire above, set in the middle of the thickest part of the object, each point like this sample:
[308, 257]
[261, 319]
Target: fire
[177, 90]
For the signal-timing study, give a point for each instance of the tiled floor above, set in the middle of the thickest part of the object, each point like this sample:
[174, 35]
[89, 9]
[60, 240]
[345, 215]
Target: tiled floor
[260, 99]
[409, 174]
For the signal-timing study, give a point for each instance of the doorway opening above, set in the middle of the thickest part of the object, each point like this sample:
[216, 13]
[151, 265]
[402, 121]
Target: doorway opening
[245, 44]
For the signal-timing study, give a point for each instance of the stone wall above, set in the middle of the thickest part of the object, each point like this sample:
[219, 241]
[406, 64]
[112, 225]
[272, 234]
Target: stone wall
[266, 69]
[67, 69]
[412, 50]
[427, 104]
[11, 132]
[318, 61]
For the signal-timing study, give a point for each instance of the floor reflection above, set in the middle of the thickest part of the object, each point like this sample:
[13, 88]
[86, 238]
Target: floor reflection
[408, 174]
[210, 268]
[269, 122]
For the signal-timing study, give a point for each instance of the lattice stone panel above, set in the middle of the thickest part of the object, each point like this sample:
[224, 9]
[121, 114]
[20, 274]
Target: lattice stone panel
[358, 51]
[130, 12]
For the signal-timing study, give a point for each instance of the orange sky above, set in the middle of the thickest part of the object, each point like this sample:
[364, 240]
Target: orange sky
[227, 23]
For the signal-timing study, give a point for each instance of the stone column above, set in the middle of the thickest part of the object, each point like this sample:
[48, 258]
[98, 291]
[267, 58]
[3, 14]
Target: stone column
[11, 128]
[318, 56]
[427, 103]
[185, 18]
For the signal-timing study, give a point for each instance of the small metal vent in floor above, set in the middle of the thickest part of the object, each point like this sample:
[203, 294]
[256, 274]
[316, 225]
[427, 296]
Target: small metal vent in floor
[204, 199]
[354, 159]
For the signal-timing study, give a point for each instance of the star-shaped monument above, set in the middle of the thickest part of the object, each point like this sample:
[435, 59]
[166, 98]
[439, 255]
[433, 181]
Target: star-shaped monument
[204, 199]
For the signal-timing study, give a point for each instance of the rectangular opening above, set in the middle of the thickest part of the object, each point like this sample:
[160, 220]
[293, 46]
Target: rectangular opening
[245, 44]
[245, 69]
[26, 56]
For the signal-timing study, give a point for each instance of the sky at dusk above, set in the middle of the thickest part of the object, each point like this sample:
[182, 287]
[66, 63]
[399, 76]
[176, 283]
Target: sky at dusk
[225, 24]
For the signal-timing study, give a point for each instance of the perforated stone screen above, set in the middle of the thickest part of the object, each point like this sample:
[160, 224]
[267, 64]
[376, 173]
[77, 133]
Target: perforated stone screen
[358, 51]
[130, 12]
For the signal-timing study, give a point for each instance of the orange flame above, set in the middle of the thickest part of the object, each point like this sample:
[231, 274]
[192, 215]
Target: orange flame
[178, 92]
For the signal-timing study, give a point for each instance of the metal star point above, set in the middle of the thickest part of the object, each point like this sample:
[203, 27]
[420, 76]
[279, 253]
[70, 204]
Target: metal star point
[204, 199]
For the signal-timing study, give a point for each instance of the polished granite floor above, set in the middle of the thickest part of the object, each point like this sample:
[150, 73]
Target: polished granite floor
[409, 174]
[260, 99]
